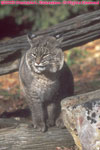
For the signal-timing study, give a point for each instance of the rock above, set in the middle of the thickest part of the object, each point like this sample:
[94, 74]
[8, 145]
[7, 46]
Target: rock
[82, 119]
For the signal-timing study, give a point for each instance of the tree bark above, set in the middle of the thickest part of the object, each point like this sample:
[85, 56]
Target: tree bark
[20, 136]
[75, 32]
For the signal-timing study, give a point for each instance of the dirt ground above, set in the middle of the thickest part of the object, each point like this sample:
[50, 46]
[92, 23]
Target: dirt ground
[84, 62]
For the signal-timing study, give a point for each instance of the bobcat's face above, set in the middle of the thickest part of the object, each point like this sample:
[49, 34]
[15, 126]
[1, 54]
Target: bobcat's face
[45, 54]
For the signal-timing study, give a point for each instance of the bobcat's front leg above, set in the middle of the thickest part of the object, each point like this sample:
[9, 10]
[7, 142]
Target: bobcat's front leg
[51, 110]
[38, 117]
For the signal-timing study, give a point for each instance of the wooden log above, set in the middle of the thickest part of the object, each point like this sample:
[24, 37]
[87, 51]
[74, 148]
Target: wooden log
[75, 32]
[18, 135]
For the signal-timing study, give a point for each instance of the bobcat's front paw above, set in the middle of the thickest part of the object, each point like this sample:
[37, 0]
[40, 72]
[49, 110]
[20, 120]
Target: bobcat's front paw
[50, 122]
[40, 126]
[60, 123]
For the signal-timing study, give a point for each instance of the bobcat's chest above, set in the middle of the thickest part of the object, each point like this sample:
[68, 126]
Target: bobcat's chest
[45, 88]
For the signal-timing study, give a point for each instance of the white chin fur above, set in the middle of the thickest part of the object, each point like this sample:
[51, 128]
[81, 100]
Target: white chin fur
[39, 69]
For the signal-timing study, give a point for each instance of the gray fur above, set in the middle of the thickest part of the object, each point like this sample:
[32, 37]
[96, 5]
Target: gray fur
[45, 80]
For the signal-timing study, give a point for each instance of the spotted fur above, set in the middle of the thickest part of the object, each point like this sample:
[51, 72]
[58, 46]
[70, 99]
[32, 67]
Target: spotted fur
[45, 80]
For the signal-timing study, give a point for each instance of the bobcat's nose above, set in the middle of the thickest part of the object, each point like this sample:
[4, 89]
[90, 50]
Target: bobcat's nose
[38, 60]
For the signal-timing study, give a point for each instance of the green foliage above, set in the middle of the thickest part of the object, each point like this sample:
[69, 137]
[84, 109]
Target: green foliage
[41, 16]
[5, 11]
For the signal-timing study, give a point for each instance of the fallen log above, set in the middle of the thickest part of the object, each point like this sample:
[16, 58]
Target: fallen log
[19, 135]
[75, 32]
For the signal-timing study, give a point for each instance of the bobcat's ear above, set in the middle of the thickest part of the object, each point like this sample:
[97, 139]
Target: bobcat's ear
[30, 36]
[59, 38]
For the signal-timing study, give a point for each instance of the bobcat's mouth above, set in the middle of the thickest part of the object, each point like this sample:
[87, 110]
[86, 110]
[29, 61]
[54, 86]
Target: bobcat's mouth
[39, 68]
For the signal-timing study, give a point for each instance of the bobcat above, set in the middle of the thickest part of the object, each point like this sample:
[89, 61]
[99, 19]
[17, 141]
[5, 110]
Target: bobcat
[45, 80]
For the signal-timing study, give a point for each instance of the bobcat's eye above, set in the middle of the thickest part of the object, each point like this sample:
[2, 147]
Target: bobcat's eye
[33, 54]
[45, 55]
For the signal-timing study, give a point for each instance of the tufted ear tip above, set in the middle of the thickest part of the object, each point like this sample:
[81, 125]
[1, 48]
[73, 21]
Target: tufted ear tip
[31, 36]
[59, 38]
